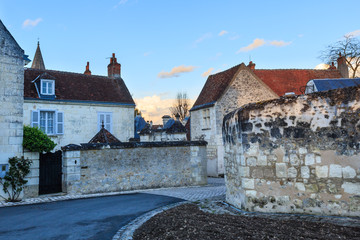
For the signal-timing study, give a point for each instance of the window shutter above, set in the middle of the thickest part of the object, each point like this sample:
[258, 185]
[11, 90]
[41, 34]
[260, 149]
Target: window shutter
[60, 123]
[34, 118]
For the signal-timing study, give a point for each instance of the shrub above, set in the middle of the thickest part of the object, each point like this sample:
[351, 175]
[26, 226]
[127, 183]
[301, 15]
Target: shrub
[14, 180]
[36, 140]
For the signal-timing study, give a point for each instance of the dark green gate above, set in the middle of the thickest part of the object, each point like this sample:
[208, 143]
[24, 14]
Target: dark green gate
[50, 179]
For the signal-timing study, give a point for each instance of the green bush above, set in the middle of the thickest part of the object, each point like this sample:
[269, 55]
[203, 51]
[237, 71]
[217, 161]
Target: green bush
[36, 140]
[14, 180]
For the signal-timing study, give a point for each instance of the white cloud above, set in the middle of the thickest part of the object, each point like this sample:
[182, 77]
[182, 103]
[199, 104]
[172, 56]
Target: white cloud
[322, 66]
[258, 42]
[223, 32]
[202, 38]
[353, 33]
[154, 107]
[279, 43]
[28, 23]
[207, 73]
[175, 72]
[255, 44]
[120, 3]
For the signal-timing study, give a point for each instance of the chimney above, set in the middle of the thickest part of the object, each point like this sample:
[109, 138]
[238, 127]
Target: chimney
[114, 68]
[332, 66]
[342, 66]
[251, 65]
[165, 119]
[87, 71]
[177, 116]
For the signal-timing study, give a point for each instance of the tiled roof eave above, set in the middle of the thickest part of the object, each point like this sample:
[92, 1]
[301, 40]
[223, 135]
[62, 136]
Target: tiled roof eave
[206, 105]
[78, 101]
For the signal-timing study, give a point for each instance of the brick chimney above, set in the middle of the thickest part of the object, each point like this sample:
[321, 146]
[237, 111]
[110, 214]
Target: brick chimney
[87, 71]
[251, 65]
[342, 66]
[332, 66]
[165, 119]
[114, 68]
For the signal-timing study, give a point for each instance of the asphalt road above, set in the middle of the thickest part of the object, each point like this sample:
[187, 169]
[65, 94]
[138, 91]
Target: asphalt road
[91, 218]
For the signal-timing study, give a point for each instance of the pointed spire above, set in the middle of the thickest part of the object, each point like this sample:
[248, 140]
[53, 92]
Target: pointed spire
[38, 61]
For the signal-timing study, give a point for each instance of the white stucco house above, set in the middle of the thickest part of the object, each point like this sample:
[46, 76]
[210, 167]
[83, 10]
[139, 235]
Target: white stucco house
[71, 107]
[226, 91]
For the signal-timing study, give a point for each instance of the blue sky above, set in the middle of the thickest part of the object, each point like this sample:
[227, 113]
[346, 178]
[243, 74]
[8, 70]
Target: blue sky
[169, 46]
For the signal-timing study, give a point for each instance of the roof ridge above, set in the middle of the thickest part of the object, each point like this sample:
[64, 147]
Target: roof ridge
[262, 69]
[58, 71]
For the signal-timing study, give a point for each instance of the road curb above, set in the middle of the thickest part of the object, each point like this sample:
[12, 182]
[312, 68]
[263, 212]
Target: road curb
[126, 232]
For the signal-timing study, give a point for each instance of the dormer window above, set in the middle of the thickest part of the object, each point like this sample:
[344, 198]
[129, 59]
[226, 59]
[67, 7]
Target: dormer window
[47, 87]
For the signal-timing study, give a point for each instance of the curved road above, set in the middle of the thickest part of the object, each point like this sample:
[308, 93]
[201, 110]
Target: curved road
[91, 218]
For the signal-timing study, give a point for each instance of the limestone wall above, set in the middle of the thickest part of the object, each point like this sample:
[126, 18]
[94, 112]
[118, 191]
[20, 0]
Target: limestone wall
[81, 120]
[128, 166]
[11, 96]
[296, 154]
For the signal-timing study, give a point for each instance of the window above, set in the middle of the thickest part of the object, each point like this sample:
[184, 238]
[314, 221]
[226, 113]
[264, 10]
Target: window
[106, 119]
[206, 118]
[50, 122]
[47, 87]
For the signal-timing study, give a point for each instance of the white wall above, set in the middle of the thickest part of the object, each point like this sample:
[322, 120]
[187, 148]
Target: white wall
[81, 120]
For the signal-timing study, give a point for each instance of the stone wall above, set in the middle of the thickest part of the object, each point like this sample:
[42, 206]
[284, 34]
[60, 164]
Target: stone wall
[11, 96]
[128, 166]
[31, 188]
[81, 120]
[295, 154]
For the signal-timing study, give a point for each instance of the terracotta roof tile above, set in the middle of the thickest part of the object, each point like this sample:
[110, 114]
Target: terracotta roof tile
[79, 87]
[280, 81]
[104, 136]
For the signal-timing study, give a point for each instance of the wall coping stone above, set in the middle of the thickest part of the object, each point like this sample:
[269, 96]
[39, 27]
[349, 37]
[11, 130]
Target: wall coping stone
[123, 145]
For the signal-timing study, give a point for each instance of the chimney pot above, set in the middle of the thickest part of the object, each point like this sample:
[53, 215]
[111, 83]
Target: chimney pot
[87, 69]
[251, 65]
[114, 68]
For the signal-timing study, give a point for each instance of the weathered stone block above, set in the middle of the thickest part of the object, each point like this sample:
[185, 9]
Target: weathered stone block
[262, 160]
[248, 183]
[321, 171]
[303, 150]
[294, 160]
[309, 159]
[251, 161]
[335, 171]
[305, 172]
[351, 188]
[292, 172]
[257, 173]
[348, 172]
[281, 170]
[300, 186]
[244, 171]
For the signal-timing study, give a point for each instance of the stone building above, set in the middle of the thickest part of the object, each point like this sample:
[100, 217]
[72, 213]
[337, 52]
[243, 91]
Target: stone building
[239, 85]
[11, 97]
[71, 107]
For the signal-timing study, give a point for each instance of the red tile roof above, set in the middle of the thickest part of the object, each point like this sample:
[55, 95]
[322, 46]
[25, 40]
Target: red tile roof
[79, 87]
[280, 81]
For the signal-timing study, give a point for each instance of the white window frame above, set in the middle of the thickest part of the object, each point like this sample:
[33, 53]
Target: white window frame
[206, 118]
[47, 82]
[99, 122]
[58, 123]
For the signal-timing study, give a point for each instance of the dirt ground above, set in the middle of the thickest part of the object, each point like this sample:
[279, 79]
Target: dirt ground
[189, 222]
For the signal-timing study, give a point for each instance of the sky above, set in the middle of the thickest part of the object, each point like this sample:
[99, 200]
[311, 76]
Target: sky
[171, 46]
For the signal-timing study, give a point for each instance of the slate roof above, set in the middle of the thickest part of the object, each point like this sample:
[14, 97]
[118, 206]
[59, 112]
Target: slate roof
[79, 87]
[104, 136]
[330, 84]
[280, 81]
[171, 126]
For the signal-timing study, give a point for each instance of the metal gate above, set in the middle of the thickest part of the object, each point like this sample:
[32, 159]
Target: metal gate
[50, 179]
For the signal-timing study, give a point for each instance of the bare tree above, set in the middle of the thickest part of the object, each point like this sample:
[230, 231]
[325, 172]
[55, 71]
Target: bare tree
[181, 105]
[349, 48]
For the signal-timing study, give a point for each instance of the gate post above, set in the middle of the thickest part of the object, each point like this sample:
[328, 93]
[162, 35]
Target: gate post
[71, 170]
[31, 189]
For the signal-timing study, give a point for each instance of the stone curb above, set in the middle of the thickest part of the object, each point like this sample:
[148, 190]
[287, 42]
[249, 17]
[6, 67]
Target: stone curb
[78, 196]
[127, 232]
